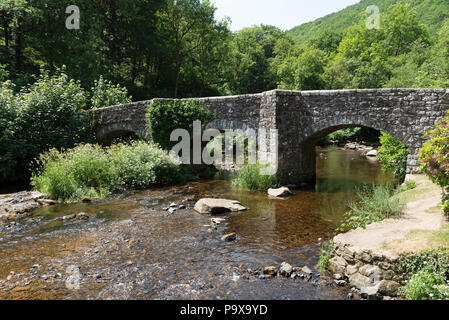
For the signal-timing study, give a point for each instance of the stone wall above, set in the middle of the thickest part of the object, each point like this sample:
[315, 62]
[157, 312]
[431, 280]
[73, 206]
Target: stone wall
[370, 272]
[303, 117]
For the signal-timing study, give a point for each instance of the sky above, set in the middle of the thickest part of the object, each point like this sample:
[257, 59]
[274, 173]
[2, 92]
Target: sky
[284, 14]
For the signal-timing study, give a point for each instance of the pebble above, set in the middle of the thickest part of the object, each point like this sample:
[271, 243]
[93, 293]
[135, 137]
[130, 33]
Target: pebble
[306, 270]
[172, 210]
[340, 283]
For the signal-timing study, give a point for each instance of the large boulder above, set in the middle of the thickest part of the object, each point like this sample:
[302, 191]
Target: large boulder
[280, 192]
[218, 206]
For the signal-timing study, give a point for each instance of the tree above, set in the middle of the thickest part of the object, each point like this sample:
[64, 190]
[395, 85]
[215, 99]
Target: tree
[181, 18]
[210, 54]
[309, 70]
[401, 29]
[251, 52]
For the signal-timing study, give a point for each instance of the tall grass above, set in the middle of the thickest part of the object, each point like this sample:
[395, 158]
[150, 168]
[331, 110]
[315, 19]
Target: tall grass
[325, 255]
[250, 178]
[374, 203]
[92, 171]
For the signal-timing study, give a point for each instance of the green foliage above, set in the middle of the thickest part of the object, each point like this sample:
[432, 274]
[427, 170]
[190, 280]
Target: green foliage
[105, 94]
[91, 171]
[164, 116]
[426, 285]
[325, 255]
[393, 155]
[140, 165]
[251, 52]
[445, 205]
[428, 12]
[73, 175]
[48, 114]
[52, 112]
[251, 178]
[434, 155]
[374, 204]
[426, 275]
[12, 148]
[350, 134]
[434, 260]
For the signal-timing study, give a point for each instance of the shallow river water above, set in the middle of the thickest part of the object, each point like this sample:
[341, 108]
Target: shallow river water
[132, 249]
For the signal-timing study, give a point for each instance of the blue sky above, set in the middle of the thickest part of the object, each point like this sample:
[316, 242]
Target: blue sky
[284, 14]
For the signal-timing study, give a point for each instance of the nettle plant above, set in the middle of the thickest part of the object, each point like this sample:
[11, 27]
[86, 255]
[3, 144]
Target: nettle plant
[434, 157]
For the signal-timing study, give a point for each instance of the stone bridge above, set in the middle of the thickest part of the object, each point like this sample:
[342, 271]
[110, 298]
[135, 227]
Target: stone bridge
[304, 117]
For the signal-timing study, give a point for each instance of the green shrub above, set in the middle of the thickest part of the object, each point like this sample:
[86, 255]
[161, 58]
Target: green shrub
[445, 205]
[426, 274]
[434, 155]
[373, 204]
[164, 116]
[13, 149]
[91, 171]
[105, 94]
[410, 184]
[74, 174]
[325, 255]
[393, 155]
[434, 260]
[48, 114]
[140, 165]
[250, 178]
[426, 285]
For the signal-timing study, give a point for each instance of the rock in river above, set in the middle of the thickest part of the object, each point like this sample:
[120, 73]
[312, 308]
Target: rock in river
[372, 153]
[269, 272]
[280, 193]
[218, 206]
[285, 269]
[229, 237]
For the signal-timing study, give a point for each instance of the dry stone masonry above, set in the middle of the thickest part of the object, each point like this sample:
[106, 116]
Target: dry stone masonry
[302, 118]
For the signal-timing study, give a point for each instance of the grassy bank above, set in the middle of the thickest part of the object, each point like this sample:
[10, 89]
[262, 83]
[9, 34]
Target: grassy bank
[423, 250]
[373, 204]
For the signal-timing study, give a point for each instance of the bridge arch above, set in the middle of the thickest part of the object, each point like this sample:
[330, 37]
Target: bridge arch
[107, 134]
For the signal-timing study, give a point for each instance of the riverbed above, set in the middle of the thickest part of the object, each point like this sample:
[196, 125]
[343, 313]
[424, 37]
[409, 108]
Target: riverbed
[131, 248]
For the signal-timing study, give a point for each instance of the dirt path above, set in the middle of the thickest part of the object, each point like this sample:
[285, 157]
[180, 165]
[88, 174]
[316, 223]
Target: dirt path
[409, 233]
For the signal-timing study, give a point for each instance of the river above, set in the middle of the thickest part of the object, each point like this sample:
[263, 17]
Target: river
[130, 248]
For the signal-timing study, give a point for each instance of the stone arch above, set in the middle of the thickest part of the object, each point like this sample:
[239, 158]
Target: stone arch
[313, 133]
[107, 133]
